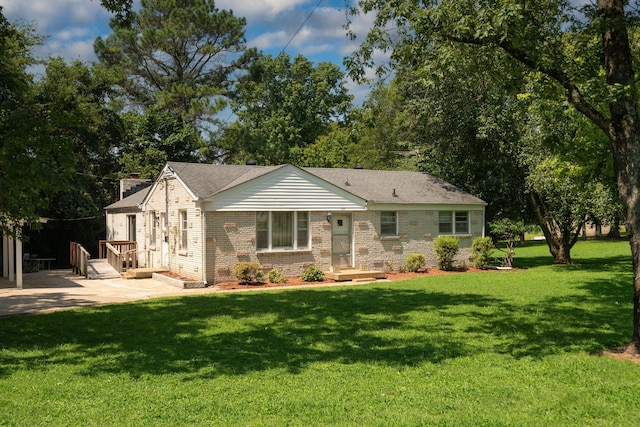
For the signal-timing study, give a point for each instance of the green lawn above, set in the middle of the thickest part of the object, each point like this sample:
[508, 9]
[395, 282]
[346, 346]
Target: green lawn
[496, 349]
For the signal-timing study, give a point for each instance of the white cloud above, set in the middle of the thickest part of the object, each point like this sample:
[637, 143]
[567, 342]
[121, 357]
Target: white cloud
[52, 16]
[269, 40]
[260, 10]
[71, 26]
[72, 33]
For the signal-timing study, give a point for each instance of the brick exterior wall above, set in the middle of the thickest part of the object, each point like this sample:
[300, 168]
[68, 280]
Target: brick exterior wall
[116, 228]
[417, 230]
[231, 238]
[187, 262]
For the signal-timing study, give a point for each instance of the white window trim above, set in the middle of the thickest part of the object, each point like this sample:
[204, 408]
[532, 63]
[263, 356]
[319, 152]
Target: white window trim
[295, 247]
[453, 223]
[153, 229]
[183, 239]
[131, 228]
[396, 232]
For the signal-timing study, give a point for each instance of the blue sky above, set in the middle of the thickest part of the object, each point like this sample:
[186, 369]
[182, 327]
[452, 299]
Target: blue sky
[71, 27]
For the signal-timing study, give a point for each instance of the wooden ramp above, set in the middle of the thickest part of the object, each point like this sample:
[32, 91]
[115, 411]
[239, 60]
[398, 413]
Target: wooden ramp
[355, 274]
[100, 269]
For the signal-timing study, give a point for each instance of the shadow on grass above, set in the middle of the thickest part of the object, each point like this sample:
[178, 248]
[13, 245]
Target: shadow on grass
[598, 253]
[238, 333]
[591, 322]
[232, 334]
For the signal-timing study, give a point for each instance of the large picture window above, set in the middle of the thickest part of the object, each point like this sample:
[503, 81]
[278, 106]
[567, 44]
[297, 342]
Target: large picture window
[388, 223]
[282, 230]
[453, 222]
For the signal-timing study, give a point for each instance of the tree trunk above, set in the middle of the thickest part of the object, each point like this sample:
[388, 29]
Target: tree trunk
[624, 134]
[614, 229]
[559, 239]
[598, 227]
[562, 255]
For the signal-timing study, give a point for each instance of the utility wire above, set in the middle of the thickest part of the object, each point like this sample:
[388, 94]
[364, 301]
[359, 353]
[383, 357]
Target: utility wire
[288, 43]
[301, 25]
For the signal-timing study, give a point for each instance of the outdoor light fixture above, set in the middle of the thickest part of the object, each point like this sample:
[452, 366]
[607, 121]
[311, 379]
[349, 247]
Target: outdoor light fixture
[329, 216]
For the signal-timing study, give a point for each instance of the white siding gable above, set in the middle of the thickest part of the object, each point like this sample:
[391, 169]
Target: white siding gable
[286, 189]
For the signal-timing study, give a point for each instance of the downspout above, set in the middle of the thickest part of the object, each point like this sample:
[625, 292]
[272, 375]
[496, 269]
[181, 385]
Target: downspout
[203, 239]
[484, 220]
[166, 222]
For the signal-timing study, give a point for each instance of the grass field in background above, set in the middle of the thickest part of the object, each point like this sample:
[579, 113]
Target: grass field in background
[520, 347]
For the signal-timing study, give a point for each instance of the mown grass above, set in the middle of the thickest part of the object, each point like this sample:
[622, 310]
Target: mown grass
[498, 349]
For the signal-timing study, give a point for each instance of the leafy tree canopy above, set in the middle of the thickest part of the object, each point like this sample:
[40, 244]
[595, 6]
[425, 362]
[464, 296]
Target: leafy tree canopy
[153, 139]
[544, 37]
[282, 107]
[30, 166]
[177, 56]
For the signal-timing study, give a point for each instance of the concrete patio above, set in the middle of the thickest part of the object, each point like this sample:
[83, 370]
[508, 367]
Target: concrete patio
[51, 290]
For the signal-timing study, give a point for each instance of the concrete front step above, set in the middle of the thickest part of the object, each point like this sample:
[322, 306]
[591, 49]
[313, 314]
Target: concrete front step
[354, 274]
[142, 273]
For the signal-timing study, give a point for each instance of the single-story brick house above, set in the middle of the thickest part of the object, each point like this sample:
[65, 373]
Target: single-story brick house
[198, 220]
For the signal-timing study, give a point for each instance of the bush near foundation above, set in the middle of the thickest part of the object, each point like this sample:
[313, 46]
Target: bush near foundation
[446, 248]
[481, 248]
[247, 272]
[312, 274]
[276, 276]
[414, 262]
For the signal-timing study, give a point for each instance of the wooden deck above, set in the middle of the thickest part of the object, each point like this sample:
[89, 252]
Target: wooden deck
[355, 274]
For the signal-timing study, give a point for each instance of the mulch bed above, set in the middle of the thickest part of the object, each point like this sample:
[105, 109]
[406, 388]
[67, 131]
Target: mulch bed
[296, 281]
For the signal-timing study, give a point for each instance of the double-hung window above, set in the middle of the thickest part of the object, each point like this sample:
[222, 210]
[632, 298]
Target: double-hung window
[153, 228]
[282, 230]
[388, 223]
[453, 222]
[183, 230]
[131, 228]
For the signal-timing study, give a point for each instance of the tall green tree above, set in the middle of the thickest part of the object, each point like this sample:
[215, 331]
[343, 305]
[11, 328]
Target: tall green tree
[538, 35]
[70, 102]
[121, 8]
[154, 138]
[386, 129]
[283, 106]
[568, 172]
[178, 57]
[30, 166]
[466, 123]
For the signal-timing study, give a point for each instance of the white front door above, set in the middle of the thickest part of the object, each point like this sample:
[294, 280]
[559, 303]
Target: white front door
[341, 240]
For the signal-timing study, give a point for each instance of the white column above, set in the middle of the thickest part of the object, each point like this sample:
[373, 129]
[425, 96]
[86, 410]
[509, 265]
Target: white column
[5, 255]
[12, 263]
[19, 263]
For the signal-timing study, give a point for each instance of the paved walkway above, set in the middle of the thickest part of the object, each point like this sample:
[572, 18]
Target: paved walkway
[51, 290]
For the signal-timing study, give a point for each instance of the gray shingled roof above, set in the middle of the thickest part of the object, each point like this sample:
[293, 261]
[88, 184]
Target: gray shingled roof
[206, 180]
[129, 202]
[395, 186]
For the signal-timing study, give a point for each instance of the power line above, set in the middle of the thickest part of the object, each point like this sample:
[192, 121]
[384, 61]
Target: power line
[301, 25]
[288, 43]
